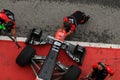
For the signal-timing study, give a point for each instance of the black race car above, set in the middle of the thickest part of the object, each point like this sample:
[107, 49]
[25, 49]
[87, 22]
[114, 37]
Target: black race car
[48, 66]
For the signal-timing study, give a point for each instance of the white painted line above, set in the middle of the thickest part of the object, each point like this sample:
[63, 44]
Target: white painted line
[100, 45]
[21, 39]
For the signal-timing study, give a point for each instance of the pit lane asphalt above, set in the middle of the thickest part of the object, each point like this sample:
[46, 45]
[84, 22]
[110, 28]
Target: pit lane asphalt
[103, 26]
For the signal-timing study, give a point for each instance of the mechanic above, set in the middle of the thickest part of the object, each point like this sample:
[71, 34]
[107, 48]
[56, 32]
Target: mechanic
[70, 22]
[100, 71]
[7, 22]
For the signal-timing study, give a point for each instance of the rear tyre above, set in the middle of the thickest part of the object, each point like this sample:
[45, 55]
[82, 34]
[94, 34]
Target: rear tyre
[29, 37]
[72, 74]
[25, 56]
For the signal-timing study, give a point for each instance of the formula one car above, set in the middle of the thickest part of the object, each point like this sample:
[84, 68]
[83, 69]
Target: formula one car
[75, 52]
[51, 69]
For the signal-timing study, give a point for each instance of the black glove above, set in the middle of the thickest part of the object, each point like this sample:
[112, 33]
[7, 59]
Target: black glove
[10, 24]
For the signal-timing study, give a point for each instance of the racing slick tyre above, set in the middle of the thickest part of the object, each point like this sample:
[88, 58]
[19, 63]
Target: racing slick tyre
[72, 74]
[29, 36]
[25, 56]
